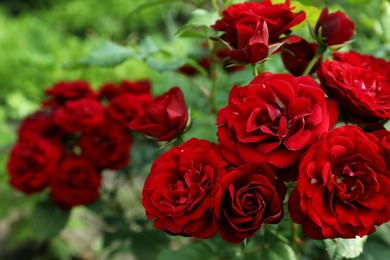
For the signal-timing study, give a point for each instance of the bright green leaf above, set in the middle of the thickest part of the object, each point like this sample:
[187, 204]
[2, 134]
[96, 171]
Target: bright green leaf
[199, 24]
[344, 248]
[47, 219]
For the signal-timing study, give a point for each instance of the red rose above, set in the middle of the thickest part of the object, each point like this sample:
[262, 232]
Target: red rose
[164, 118]
[248, 197]
[75, 182]
[365, 61]
[78, 115]
[274, 119]
[296, 56]
[62, 92]
[179, 192]
[335, 28]
[343, 186]
[31, 162]
[40, 124]
[112, 90]
[384, 138]
[363, 95]
[107, 145]
[126, 107]
[279, 17]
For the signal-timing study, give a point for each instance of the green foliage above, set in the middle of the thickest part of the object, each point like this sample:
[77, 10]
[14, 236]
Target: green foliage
[47, 220]
[344, 248]
[108, 54]
[199, 24]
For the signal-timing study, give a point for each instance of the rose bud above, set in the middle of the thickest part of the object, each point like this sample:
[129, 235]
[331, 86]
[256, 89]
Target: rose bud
[296, 56]
[164, 117]
[335, 28]
[343, 186]
[75, 182]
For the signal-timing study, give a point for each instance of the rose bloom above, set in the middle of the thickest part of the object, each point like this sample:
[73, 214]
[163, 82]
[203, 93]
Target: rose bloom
[126, 107]
[343, 186]
[249, 197]
[40, 124]
[111, 90]
[180, 190]
[31, 162]
[78, 115]
[363, 95]
[279, 17]
[365, 61]
[107, 145]
[249, 28]
[334, 28]
[75, 182]
[384, 138]
[296, 56]
[274, 119]
[164, 117]
[63, 91]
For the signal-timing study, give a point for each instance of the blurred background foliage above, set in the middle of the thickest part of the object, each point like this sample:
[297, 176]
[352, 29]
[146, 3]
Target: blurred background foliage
[45, 41]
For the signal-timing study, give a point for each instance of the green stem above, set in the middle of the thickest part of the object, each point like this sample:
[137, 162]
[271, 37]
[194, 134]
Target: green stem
[215, 5]
[320, 51]
[214, 86]
[255, 71]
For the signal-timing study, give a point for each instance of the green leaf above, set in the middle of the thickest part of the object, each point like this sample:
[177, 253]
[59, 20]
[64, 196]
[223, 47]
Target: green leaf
[109, 54]
[349, 248]
[193, 251]
[164, 61]
[279, 251]
[47, 219]
[199, 24]
[148, 243]
[151, 3]
[312, 12]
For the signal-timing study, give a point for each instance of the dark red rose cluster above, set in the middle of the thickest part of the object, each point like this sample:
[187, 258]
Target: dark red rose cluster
[279, 128]
[78, 132]
[192, 191]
